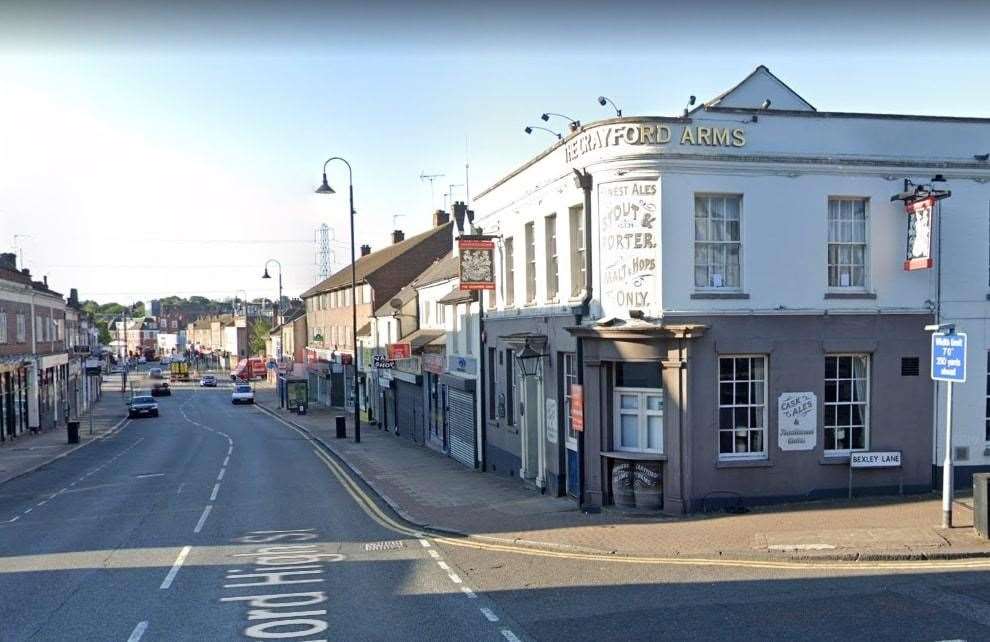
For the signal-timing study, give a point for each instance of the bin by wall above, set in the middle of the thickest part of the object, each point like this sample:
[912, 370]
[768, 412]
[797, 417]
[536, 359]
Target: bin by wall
[981, 504]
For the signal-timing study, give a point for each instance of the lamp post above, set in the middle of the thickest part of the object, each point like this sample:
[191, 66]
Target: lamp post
[325, 188]
[268, 276]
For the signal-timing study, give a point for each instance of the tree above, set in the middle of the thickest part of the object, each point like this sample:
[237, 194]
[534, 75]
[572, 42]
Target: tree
[104, 331]
[259, 336]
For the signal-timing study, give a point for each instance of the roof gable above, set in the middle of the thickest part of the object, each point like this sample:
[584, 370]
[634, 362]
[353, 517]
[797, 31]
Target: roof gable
[757, 87]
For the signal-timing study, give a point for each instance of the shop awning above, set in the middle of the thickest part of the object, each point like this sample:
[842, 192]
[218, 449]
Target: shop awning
[634, 329]
[424, 337]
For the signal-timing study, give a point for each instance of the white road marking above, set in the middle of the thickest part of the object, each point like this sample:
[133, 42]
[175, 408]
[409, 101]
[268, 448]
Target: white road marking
[454, 577]
[167, 582]
[443, 565]
[226, 460]
[488, 614]
[223, 471]
[216, 489]
[29, 510]
[202, 518]
[424, 543]
[434, 554]
[510, 636]
[471, 594]
[138, 631]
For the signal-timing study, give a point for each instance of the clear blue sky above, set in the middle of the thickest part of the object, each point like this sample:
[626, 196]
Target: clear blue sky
[139, 141]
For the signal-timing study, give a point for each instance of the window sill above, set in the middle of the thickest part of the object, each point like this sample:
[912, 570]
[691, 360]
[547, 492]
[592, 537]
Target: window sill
[719, 295]
[744, 463]
[633, 456]
[850, 295]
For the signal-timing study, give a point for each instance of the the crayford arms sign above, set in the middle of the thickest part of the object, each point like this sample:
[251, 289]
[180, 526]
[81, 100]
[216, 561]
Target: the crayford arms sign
[653, 134]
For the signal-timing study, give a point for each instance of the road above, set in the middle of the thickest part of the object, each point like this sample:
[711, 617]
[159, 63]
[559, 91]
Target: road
[215, 522]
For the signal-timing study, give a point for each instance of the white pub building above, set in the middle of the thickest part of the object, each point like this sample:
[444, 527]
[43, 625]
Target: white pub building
[735, 303]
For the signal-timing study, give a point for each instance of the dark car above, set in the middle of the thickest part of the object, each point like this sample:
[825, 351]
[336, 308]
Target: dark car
[161, 390]
[142, 406]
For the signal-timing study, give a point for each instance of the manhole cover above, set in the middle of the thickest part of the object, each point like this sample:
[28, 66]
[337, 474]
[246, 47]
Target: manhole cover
[384, 546]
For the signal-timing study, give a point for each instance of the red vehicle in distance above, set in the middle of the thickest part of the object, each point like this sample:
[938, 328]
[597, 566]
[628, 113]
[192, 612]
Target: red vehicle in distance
[249, 369]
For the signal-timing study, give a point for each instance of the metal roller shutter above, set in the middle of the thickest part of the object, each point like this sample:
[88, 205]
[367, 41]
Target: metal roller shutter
[461, 426]
[408, 399]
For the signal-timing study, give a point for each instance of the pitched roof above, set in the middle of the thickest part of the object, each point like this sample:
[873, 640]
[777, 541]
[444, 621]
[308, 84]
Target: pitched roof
[443, 269]
[367, 265]
[758, 86]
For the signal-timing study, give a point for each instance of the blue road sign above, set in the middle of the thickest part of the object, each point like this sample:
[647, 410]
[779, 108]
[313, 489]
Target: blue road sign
[949, 357]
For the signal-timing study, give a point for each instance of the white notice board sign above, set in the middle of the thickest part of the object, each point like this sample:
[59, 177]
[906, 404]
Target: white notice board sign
[797, 420]
[887, 459]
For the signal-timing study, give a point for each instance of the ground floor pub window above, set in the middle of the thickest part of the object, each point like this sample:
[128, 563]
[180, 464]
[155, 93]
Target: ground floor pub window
[638, 403]
[742, 406]
[847, 402]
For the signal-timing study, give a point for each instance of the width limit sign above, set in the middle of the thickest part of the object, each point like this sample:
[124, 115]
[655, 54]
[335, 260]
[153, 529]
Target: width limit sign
[949, 357]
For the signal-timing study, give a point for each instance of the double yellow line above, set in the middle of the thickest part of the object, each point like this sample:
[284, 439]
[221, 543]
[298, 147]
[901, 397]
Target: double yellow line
[371, 508]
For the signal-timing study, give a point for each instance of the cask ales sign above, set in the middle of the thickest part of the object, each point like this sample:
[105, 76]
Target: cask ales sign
[629, 237]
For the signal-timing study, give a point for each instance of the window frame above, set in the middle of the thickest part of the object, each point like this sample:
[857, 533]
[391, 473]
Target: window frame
[529, 238]
[867, 272]
[509, 270]
[748, 455]
[642, 414]
[3, 327]
[724, 243]
[577, 250]
[551, 260]
[835, 452]
[568, 373]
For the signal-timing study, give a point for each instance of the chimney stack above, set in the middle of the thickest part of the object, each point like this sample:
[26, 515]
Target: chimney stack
[365, 250]
[440, 218]
[45, 279]
[8, 261]
[460, 211]
[397, 236]
[73, 296]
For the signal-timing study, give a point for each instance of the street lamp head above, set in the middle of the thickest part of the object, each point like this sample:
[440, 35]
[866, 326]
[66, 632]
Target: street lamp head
[528, 130]
[325, 187]
[266, 275]
[545, 117]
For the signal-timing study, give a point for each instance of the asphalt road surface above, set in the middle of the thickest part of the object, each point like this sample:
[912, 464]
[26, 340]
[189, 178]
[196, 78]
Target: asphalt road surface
[218, 522]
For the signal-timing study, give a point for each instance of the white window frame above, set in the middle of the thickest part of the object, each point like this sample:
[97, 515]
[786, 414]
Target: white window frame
[3, 327]
[642, 412]
[709, 243]
[21, 328]
[826, 402]
[865, 243]
[509, 258]
[552, 261]
[529, 238]
[575, 227]
[747, 455]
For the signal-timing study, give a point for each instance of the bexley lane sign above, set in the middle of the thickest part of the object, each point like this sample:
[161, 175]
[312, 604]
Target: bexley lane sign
[888, 459]
[949, 357]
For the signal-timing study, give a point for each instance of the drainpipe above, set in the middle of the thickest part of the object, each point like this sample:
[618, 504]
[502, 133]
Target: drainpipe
[584, 181]
[34, 421]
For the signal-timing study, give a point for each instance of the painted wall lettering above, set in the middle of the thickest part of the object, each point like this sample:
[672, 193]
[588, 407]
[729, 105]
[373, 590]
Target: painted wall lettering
[629, 240]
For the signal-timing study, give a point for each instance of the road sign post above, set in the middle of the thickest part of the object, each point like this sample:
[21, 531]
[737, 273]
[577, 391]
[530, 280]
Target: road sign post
[949, 365]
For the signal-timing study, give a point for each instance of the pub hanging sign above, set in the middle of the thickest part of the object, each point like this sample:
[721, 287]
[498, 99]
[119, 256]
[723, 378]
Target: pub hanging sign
[477, 262]
[919, 233]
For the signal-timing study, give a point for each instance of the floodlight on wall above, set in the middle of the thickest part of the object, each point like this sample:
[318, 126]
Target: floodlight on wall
[605, 100]
[766, 104]
[572, 123]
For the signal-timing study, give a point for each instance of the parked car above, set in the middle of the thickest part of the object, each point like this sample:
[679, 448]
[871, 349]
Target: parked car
[161, 390]
[208, 381]
[156, 373]
[242, 394]
[143, 405]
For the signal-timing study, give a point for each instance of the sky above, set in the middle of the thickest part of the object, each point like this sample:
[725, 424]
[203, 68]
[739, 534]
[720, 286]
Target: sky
[151, 149]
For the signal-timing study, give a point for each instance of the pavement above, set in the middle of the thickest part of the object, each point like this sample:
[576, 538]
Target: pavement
[30, 451]
[221, 522]
[433, 491]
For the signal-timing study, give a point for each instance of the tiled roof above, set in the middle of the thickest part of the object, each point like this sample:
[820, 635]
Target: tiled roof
[367, 265]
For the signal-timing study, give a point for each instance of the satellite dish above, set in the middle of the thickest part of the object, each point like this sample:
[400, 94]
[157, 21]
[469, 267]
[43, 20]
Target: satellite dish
[396, 303]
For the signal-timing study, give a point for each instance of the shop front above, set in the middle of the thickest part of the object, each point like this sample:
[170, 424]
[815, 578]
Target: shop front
[13, 399]
[460, 383]
[434, 365]
[724, 412]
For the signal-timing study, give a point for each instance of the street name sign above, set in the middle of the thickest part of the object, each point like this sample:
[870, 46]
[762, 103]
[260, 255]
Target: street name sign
[949, 357]
[886, 459]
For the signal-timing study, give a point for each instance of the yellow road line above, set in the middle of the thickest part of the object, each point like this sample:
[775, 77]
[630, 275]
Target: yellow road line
[371, 508]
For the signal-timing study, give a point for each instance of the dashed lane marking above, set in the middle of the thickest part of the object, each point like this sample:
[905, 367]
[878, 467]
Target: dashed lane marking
[471, 594]
[434, 554]
[138, 631]
[509, 635]
[425, 543]
[443, 565]
[223, 471]
[216, 489]
[455, 578]
[167, 582]
[202, 518]
[488, 614]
